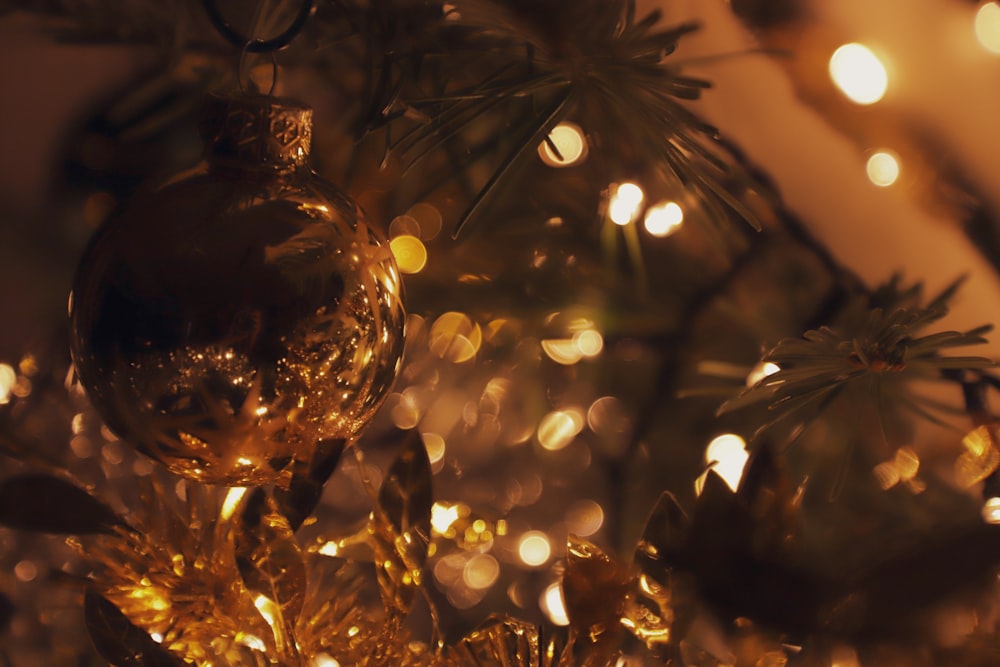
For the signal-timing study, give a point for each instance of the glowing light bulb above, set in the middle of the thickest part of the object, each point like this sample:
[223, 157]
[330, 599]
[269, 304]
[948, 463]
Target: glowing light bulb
[8, 378]
[442, 516]
[883, 168]
[859, 73]
[727, 456]
[625, 202]
[569, 142]
[664, 219]
[410, 253]
[761, 371]
[987, 27]
[534, 548]
[553, 604]
[991, 510]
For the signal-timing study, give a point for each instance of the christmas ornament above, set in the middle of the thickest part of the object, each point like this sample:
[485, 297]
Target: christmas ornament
[233, 317]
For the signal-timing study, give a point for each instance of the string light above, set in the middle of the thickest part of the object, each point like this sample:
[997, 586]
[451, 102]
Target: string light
[987, 27]
[410, 253]
[859, 73]
[625, 202]
[883, 168]
[726, 454]
[553, 604]
[991, 511]
[569, 141]
[664, 219]
[534, 548]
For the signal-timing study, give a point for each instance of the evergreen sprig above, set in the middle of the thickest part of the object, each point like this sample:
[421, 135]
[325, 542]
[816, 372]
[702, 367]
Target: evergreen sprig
[881, 340]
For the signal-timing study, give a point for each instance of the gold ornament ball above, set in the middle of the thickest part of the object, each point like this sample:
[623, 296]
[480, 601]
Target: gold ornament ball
[233, 317]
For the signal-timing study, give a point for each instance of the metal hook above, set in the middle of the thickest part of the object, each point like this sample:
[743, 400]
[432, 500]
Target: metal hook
[249, 45]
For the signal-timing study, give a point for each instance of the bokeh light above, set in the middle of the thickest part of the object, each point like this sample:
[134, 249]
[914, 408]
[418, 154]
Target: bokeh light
[557, 429]
[481, 572]
[324, 660]
[435, 446]
[664, 219]
[443, 515]
[584, 518]
[534, 548]
[761, 371]
[726, 454]
[8, 378]
[410, 253]
[455, 337]
[588, 342]
[987, 27]
[991, 510]
[859, 74]
[553, 604]
[625, 203]
[428, 218]
[569, 141]
[883, 168]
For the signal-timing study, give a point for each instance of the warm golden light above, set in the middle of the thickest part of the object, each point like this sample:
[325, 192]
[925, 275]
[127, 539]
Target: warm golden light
[859, 73]
[534, 548]
[625, 202]
[562, 350]
[987, 27]
[324, 660]
[584, 518]
[588, 342]
[557, 429]
[991, 511]
[410, 253]
[569, 142]
[232, 501]
[8, 378]
[442, 516]
[435, 446]
[882, 168]
[664, 219]
[727, 456]
[481, 572]
[553, 604]
[455, 337]
[761, 371]
[428, 217]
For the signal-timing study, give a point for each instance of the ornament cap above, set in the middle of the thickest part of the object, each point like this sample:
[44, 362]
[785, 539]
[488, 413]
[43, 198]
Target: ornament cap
[259, 131]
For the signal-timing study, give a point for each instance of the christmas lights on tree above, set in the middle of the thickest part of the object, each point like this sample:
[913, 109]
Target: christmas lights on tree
[637, 410]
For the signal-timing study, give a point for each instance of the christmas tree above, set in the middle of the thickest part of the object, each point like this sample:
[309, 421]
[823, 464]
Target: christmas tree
[696, 367]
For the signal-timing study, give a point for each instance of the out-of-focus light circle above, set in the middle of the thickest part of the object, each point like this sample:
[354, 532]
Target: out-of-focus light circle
[991, 511]
[589, 342]
[455, 337]
[882, 168]
[8, 378]
[534, 548]
[553, 604]
[625, 202]
[404, 224]
[584, 518]
[481, 572]
[26, 570]
[410, 253]
[761, 371]
[557, 429]
[428, 218]
[664, 219]
[569, 141]
[987, 27]
[324, 660]
[562, 350]
[859, 73]
[443, 515]
[727, 456]
[435, 446]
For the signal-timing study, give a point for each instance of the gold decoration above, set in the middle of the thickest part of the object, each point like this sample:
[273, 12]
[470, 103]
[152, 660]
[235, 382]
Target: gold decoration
[235, 316]
[980, 459]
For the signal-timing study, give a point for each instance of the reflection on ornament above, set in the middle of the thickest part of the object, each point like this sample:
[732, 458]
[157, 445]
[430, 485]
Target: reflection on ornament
[236, 315]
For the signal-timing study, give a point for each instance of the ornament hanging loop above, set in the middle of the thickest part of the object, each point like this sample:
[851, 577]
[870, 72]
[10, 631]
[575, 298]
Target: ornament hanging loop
[252, 44]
